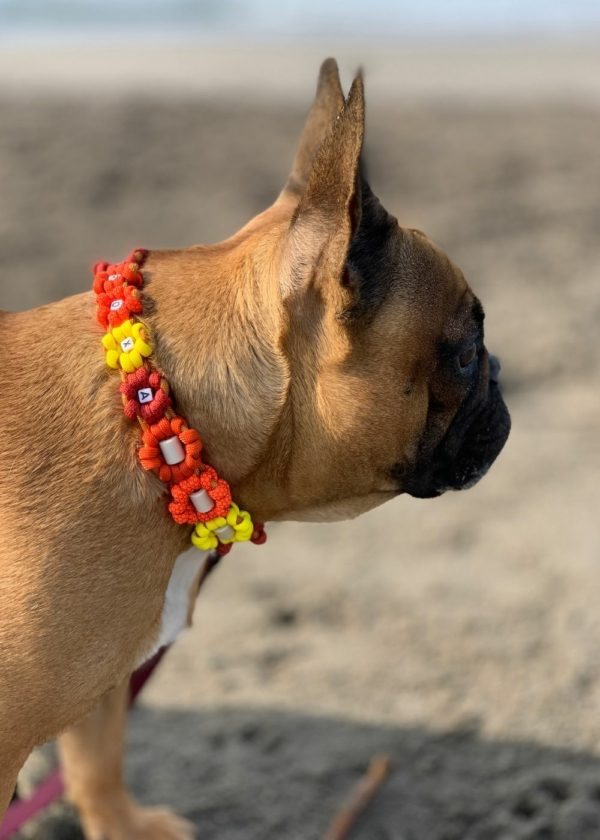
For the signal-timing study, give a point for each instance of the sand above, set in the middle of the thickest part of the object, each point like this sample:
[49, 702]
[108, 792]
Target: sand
[459, 635]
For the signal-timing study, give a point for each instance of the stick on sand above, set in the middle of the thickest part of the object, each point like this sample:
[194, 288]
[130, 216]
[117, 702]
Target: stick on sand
[361, 796]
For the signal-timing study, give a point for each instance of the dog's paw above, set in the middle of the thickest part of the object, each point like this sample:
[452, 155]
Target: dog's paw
[161, 824]
[143, 824]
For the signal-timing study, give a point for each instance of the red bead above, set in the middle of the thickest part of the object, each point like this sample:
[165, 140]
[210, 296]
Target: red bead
[224, 548]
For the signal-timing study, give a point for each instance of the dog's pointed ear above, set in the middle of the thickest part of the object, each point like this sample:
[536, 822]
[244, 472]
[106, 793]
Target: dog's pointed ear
[329, 102]
[328, 212]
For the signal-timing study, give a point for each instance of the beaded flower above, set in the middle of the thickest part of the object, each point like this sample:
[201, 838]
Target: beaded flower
[116, 305]
[108, 277]
[126, 346]
[152, 458]
[235, 527]
[143, 396]
[182, 508]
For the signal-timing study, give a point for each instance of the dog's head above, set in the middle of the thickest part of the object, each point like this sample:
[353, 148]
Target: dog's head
[368, 372]
[391, 387]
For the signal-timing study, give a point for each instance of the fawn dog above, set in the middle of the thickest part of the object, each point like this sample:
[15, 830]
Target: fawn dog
[331, 360]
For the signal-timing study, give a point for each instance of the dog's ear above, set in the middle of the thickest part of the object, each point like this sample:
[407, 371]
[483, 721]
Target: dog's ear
[328, 212]
[329, 102]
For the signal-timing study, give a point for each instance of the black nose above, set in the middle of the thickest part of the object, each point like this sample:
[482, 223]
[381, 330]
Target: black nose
[495, 368]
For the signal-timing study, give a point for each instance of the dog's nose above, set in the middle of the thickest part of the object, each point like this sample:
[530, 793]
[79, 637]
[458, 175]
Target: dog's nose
[495, 368]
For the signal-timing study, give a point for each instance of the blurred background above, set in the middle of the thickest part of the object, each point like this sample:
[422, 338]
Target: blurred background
[459, 635]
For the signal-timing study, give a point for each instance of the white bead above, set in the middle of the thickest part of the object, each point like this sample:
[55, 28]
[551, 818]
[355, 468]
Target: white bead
[201, 501]
[225, 532]
[127, 344]
[113, 276]
[172, 450]
[116, 304]
[145, 395]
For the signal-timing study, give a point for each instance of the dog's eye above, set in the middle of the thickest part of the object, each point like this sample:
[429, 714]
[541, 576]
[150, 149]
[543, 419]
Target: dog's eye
[466, 358]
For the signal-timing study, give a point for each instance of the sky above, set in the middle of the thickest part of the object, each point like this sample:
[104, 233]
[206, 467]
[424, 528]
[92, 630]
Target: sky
[301, 18]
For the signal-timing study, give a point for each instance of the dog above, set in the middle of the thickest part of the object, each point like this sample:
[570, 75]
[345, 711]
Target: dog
[331, 359]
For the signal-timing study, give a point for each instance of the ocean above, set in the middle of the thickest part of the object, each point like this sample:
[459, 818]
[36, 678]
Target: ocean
[265, 19]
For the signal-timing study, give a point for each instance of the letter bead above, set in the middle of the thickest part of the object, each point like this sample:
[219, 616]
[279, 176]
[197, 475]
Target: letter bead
[116, 304]
[145, 395]
[172, 450]
[127, 344]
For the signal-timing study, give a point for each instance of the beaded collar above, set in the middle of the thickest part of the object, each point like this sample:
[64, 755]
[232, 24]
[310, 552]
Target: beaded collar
[169, 446]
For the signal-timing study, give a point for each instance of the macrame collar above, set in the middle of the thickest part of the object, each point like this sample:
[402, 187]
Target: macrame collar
[168, 445]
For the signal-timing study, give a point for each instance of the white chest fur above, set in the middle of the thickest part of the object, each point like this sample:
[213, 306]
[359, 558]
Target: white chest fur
[176, 608]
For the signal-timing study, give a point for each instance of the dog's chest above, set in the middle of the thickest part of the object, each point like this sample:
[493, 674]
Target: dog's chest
[178, 598]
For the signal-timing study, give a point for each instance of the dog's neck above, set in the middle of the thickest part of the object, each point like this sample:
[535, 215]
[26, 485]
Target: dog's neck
[216, 323]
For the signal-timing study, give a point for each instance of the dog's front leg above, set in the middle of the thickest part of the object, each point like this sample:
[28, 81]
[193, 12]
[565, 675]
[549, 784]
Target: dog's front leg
[9, 770]
[92, 759]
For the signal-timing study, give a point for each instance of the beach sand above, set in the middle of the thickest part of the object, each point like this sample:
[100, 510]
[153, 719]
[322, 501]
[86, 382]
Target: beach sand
[459, 635]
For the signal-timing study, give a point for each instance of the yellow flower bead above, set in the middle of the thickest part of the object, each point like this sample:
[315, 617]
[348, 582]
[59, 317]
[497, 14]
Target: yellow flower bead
[217, 522]
[245, 530]
[126, 346]
[233, 514]
[241, 523]
[204, 539]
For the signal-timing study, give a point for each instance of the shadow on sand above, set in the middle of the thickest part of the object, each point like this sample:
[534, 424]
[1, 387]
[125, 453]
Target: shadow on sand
[243, 774]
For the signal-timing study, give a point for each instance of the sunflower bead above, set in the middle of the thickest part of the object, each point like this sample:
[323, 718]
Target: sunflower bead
[126, 346]
[237, 526]
[241, 522]
[203, 538]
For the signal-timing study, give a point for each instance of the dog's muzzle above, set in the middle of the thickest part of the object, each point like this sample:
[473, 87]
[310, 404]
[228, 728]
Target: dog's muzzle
[471, 445]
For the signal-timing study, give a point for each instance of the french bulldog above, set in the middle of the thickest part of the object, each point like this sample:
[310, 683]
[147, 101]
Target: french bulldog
[331, 359]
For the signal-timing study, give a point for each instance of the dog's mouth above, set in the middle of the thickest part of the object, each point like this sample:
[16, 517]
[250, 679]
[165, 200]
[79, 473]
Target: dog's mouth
[472, 443]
